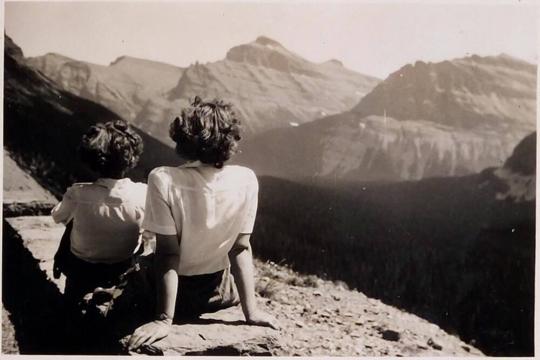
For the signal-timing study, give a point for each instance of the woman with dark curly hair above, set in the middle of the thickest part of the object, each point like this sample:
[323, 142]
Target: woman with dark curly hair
[202, 214]
[104, 217]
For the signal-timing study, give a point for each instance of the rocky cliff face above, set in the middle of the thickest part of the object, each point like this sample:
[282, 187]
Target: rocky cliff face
[518, 175]
[445, 119]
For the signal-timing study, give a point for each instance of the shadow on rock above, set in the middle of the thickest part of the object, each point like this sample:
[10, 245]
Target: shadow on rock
[35, 304]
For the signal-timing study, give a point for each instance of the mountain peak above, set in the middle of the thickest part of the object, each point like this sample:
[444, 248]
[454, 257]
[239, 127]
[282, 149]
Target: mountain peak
[333, 62]
[502, 59]
[126, 59]
[56, 56]
[269, 53]
[12, 49]
[137, 66]
[119, 60]
[263, 40]
[505, 55]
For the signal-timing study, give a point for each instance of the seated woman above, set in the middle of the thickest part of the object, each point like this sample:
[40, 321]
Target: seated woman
[202, 214]
[104, 217]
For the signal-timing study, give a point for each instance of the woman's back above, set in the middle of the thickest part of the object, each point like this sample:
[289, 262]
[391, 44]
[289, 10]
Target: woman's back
[106, 215]
[209, 208]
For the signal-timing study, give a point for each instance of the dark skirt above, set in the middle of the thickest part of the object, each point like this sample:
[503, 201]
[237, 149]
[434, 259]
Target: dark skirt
[83, 277]
[198, 294]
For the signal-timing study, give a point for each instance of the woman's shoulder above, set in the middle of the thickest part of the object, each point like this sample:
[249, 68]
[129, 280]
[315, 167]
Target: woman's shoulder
[161, 172]
[243, 174]
[77, 188]
[163, 175]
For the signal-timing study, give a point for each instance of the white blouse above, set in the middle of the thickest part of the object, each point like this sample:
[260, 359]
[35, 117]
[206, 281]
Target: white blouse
[207, 208]
[107, 216]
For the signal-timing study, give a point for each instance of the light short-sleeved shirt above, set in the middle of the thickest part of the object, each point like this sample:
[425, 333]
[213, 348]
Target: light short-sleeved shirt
[107, 217]
[205, 207]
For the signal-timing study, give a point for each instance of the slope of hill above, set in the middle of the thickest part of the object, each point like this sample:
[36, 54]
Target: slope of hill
[123, 87]
[457, 251]
[43, 126]
[446, 119]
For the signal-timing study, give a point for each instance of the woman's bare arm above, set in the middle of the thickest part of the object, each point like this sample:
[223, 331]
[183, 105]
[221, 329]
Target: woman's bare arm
[242, 269]
[167, 257]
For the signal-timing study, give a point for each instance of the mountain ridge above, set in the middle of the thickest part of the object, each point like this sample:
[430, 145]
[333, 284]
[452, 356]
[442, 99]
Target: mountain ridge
[467, 92]
[425, 120]
[269, 85]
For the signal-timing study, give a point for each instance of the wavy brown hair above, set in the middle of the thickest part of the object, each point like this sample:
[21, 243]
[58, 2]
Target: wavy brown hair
[207, 131]
[111, 149]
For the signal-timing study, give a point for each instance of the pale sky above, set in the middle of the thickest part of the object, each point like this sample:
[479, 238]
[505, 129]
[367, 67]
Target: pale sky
[374, 39]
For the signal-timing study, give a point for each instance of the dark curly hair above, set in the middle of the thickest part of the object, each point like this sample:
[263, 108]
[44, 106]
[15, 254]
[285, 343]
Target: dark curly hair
[207, 131]
[111, 149]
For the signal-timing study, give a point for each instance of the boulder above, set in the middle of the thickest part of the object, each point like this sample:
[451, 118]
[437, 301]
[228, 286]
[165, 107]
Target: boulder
[222, 333]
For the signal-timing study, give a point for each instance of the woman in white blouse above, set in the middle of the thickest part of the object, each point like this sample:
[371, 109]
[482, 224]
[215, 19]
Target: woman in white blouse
[202, 214]
[104, 217]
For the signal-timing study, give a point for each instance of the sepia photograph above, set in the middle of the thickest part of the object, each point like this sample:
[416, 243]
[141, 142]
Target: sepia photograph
[269, 178]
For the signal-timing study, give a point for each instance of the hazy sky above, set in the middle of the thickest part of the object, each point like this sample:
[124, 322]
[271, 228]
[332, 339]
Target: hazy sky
[374, 39]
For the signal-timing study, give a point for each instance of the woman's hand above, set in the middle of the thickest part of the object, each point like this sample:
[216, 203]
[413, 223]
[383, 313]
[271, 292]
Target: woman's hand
[262, 319]
[149, 333]
[242, 270]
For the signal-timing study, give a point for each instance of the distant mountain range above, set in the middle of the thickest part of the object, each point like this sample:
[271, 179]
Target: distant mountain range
[270, 86]
[428, 119]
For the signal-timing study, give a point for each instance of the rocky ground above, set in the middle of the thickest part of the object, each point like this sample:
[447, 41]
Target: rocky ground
[317, 317]
[9, 343]
[324, 318]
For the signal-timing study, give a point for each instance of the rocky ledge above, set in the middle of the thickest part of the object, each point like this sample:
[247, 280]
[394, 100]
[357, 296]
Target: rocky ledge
[317, 317]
